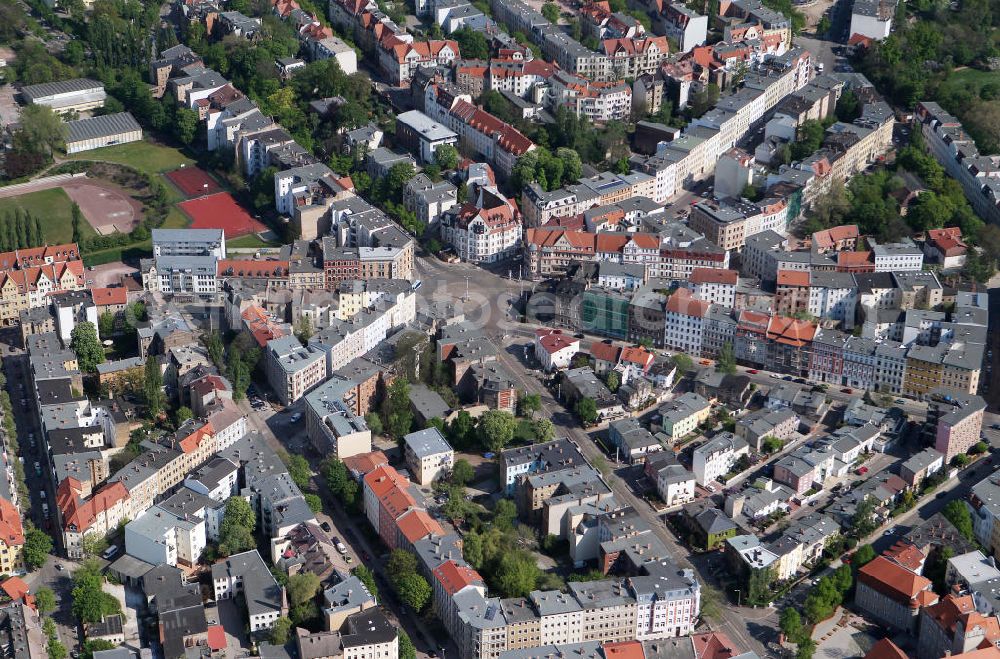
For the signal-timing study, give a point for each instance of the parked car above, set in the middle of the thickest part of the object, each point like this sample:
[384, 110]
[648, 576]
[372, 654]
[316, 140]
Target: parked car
[38, 468]
[847, 390]
[326, 527]
[296, 417]
[753, 371]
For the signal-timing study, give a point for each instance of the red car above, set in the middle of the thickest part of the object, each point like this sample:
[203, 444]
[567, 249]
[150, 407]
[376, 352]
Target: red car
[753, 371]
[847, 391]
[862, 471]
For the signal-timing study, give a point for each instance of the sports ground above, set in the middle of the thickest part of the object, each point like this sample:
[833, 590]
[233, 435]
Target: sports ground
[220, 211]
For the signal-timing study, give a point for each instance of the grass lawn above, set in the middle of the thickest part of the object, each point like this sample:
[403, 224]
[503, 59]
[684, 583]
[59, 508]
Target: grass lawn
[144, 156]
[53, 208]
[524, 433]
[250, 241]
[971, 80]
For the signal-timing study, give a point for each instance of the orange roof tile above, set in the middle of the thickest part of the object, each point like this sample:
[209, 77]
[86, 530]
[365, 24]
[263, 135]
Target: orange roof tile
[906, 554]
[713, 645]
[454, 577]
[364, 463]
[417, 524]
[624, 650]
[828, 238]
[604, 352]
[383, 479]
[790, 331]
[793, 278]
[682, 302]
[638, 356]
[17, 589]
[713, 276]
[553, 340]
[893, 581]
[11, 530]
[194, 440]
[885, 649]
[104, 297]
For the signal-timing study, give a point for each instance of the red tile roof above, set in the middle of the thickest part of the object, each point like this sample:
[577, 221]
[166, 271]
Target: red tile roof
[793, 278]
[907, 555]
[217, 638]
[893, 581]
[79, 514]
[790, 331]
[885, 649]
[682, 302]
[104, 297]
[624, 650]
[191, 443]
[713, 276]
[17, 589]
[364, 463]
[605, 352]
[553, 340]
[417, 525]
[639, 356]
[11, 530]
[454, 577]
[382, 479]
[713, 645]
[828, 238]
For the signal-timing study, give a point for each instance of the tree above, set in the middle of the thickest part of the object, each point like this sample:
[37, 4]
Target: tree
[299, 470]
[504, 514]
[958, 514]
[496, 429]
[37, 546]
[153, 386]
[543, 429]
[396, 409]
[414, 591]
[772, 444]
[281, 631]
[314, 502]
[613, 380]
[863, 555]
[216, 351]
[400, 564]
[237, 526]
[185, 125]
[56, 649]
[683, 363]
[182, 414]
[551, 12]
[367, 578]
[528, 404]
[406, 648]
[516, 574]
[90, 603]
[106, 324]
[374, 423]
[40, 131]
[979, 448]
[790, 623]
[302, 587]
[86, 345]
[95, 645]
[462, 472]
[863, 523]
[446, 156]
[45, 600]
[461, 430]
[805, 649]
[472, 549]
[305, 330]
[586, 410]
[339, 481]
[727, 360]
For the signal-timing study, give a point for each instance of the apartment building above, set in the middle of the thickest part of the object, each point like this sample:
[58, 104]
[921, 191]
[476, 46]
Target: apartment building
[684, 322]
[892, 594]
[728, 225]
[29, 276]
[11, 538]
[484, 231]
[957, 420]
[248, 574]
[717, 456]
[682, 416]
[293, 370]
[428, 455]
[714, 285]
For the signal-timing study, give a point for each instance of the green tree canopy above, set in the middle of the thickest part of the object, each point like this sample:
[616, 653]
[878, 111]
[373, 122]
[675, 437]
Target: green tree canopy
[414, 591]
[86, 345]
[496, 429]
[302, 587]
[37, 546]
[586, 411]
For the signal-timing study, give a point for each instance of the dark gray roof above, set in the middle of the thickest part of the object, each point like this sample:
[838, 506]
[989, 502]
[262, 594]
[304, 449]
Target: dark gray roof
[41, 90]
[107, 125]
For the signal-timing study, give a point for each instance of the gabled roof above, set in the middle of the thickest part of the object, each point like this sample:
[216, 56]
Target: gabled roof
[417, 524]
[453, 577]
[713, 276]
[893, 581]
[886, 649]
[109, 296]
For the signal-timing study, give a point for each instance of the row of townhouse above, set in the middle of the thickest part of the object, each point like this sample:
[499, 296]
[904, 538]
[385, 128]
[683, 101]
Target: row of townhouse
[365, 244]
[357, 326]
[660, 601]
[692, 156]
[398, 54]
[499, 143]
[918, 352]
[29, 276]
[552, 252]
[799, 547]
[956, 151]
[767, 253]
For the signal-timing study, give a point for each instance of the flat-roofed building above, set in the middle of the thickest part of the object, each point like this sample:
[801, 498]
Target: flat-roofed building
[76, 95]
[102, 131]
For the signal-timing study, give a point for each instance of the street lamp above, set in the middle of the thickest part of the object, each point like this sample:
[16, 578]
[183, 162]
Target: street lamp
[738, 593]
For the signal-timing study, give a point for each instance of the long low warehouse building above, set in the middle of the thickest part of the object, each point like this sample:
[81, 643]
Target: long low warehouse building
[77, 95]
[106, 130]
